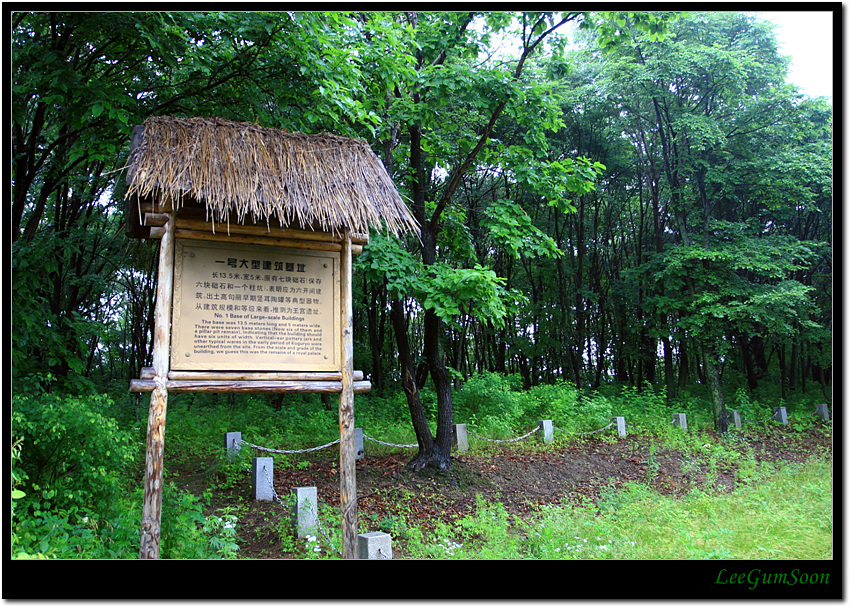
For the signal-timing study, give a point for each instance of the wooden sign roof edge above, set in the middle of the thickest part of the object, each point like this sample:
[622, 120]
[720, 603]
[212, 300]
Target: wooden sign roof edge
[242, 173]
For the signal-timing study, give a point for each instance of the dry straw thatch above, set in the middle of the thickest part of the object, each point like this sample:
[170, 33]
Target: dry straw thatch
[240, 169]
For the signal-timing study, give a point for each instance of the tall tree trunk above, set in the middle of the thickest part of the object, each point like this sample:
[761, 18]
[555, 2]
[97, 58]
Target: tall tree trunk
[376, 326]
[747, 356]
[408, 377]
[782, 370]
[437, 452]
[712, 374]
[683, 363]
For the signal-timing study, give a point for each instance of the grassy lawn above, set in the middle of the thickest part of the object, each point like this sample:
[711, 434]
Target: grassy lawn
[781, 514]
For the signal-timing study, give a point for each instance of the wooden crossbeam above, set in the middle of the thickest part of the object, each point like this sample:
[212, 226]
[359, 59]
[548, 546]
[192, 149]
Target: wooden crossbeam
[147, 373]
[209, 385]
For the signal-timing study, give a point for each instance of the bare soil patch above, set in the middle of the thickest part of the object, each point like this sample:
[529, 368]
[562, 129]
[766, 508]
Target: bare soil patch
[521, 476]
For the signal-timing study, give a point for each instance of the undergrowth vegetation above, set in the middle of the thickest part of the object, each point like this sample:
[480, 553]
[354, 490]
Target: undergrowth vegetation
[77, 466]
[780, 514]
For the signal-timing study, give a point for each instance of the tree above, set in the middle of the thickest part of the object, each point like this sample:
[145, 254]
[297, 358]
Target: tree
[710, 97]
[81, 81]
[449, 108]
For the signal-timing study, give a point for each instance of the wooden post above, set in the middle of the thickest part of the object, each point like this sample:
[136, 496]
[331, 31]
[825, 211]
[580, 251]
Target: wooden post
[154, 449]
[347, 451]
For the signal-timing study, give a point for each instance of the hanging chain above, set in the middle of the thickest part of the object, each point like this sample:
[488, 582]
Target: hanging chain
[375, 440]
[284, 451]
[508, 440]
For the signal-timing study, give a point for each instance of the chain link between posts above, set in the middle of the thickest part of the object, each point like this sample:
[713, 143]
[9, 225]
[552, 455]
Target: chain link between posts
[324, 533]
[507, 440]
[759, 421]
[375, 440]
[408, 446]
[287, 452]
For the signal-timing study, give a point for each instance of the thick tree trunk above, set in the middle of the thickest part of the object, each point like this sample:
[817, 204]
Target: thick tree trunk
[408, 377]
[439, 455]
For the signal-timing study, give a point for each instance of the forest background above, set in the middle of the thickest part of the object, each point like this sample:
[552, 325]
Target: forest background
[609, 201]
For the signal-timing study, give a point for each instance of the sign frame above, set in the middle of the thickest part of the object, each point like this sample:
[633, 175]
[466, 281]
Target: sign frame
[209, 278]
[169, 228]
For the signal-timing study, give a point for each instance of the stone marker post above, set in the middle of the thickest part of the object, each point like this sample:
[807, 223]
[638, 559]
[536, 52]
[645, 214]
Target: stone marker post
[460, 440]
[305, 512]
[547, 435]
[262, 474]
[374, 545]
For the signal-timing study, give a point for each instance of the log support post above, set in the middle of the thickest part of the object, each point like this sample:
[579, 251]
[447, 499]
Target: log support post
[149, 542]
[347, 450]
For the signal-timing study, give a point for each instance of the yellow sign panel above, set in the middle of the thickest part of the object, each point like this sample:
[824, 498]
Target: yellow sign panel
[254, 308]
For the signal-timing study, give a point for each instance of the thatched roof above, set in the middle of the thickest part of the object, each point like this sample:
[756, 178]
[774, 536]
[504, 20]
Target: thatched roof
[241, 171]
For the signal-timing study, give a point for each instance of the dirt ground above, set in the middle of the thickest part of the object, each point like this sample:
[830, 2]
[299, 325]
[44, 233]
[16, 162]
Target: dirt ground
[522, 476]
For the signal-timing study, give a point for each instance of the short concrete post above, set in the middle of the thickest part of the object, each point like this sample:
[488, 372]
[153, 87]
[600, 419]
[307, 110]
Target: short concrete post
[548, 434]
[680, 420]
[780, 415]
[305, 513]
[823, 411]
[232, 444]
[736, 417]
[374, 545]
[262, 474]
[621, 425]
[460, 441]
[359, 451]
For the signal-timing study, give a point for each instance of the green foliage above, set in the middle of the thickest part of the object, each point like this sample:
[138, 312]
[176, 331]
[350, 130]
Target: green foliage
[476, 291]
[384, 260]
[188, 534]
[73, 454]
[779, 515]
[447, 290]
[743, 284]
[498, 406]
[614, 29]
[494, 403]
[510, 227]
[60, 533]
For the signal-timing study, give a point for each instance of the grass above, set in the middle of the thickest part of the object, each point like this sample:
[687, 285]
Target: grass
[776, 512]
[786, 515]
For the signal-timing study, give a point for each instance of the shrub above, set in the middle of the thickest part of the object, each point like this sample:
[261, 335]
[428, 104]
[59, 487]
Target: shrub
[570, 410]
[493, 400]
[644, 409]
[72, 453]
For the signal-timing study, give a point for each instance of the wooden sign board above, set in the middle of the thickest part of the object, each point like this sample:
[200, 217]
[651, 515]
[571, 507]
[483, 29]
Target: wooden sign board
[239, 307]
